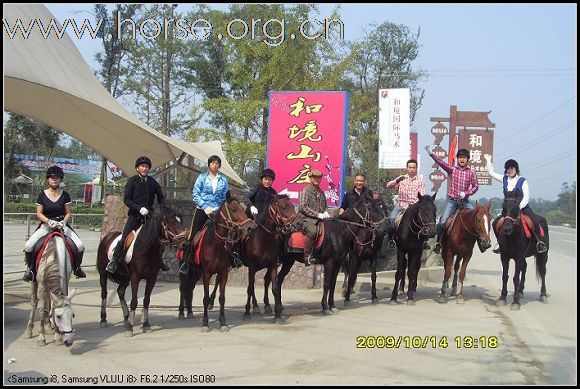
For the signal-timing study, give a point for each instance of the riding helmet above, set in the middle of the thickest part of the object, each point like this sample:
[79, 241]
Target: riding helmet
[463, 152]
[512, 163]
[144, 160]
[55, 171]
[268, 173]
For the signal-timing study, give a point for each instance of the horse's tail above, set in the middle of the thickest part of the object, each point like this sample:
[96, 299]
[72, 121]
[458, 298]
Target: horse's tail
[541, 262]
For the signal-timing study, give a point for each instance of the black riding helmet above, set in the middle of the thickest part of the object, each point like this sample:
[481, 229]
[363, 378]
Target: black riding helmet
[55, 171]
[463, 152]
[511, 163]
[268, 173]
[144, 160]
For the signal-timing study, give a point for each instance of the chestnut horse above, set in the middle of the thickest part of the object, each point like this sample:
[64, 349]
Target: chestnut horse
[162, 228]
[468, 226]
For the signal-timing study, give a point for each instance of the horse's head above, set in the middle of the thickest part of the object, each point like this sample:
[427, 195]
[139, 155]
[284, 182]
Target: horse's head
[511, 211]
[482, 225]
[282, 211]
[62, 315]
[426, 215]
[171, 227]
[233, 215]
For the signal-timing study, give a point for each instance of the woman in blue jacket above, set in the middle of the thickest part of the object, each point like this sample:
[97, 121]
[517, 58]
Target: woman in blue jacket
[209, 192]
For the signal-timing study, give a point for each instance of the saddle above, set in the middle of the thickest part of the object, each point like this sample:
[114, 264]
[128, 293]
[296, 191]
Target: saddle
[526, 222]
[399, 217]
[451, 221]
[41, 244]
[295, 243]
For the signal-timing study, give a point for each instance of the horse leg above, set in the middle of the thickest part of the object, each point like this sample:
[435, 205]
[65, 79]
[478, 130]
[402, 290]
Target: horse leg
[33, 305]
[516, 280]
[212, 297]
[146, 300]
[183, 279]
[126, 324]
[192, 281]
[456, 265]
[398, 275]
[353, 265]
[205, 320]
[374, 298]
[43, 316]
[505, 264]
[328, 269]
[541, 261]
[447, 260]
[460, 298]
[331, 304]
[413, 272]
[267, 280]
[103, 282]
[273, 275]
[223, 281]
[255, 306]
[346, 271]
[523, 277]
[286, 266]
[250, 291]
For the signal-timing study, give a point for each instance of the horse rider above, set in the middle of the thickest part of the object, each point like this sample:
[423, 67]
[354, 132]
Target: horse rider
[140, 193]
[462, 183]
[353, 195]
[53, 209]
[408, 185]
[208, 194]
[512, 181]
[312, 209]
[260, 195]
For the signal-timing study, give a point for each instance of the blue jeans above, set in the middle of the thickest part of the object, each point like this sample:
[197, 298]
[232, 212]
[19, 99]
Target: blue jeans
[394, 213]
[452, 206]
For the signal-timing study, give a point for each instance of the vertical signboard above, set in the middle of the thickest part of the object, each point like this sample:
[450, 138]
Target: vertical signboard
[478, 142]
[307, 131]
[394, 124]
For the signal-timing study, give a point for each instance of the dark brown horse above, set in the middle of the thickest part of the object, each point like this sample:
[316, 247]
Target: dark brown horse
[513, 243]
[218, 240]
[162, 228]
[264, 248]
[468, 226]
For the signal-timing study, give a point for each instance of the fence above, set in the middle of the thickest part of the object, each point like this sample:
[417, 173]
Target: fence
[19, 226]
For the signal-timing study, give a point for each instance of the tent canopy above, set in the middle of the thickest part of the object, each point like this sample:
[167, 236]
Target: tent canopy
[48, 80]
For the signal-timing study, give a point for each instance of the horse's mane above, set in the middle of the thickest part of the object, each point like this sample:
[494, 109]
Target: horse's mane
[149, 235]
[261, 218]
[49, 274]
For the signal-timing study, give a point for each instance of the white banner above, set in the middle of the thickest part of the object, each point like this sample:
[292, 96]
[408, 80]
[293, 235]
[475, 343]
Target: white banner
[394, 128]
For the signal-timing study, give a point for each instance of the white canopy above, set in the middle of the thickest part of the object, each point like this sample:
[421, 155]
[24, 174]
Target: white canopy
[48, 80]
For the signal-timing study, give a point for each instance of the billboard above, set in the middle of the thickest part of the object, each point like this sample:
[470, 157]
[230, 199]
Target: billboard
[394, 128]
[307, 131]
[478, 142]
[84, 168]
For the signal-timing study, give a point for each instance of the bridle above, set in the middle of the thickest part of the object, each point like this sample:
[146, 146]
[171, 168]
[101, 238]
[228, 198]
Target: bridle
[367, 223]
[423, 228]
[477, 235]
[234, 229]
[283, 224]
[52, 315]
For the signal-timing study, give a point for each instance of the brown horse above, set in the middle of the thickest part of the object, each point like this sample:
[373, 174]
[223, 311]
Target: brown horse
[218, 240]
[468, 226]
[162, 228]
[263, 249]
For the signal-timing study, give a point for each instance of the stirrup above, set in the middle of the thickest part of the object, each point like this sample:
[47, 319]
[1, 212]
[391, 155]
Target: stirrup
[79, 273]
[437, 249]
[496, 249]
[164, 267]
[541, 247]
[28, 276]
[184, 268]
[111, 267]
[236, 261]
[392, 244]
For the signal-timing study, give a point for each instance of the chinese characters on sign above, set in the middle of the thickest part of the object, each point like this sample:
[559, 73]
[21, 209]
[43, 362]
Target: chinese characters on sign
[307, 130]
[478, 142]
[394, 128]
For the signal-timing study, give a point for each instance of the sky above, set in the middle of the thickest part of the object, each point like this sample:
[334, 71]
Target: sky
[518, 61]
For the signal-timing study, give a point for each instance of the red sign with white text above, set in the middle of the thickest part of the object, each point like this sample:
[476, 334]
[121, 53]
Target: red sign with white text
[307, 131]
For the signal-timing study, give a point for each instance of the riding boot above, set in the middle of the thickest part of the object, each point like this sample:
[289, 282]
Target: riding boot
[29, 273]
[79, 273]
[392, 244]
[308, 258]
[117, 256]
[437, 249]
[496, 249]
[164, 267]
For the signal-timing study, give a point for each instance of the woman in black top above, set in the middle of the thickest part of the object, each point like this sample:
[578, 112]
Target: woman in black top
[53, 209]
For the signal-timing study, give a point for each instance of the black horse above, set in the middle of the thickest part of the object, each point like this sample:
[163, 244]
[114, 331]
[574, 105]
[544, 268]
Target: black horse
[513, 243]
[417, 225]
[367, 247]
[162, 228]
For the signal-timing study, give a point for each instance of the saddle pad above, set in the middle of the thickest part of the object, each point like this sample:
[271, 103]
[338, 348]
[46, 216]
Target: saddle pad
[129, 251]
[197, 241]
[44, 243]
[296, 240]
[399, 217]
[525, 221]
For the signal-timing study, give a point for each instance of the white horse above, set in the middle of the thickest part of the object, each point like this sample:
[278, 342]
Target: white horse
[51, 290]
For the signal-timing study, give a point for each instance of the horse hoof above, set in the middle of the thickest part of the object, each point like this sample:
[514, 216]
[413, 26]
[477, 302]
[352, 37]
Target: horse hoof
[501, 302]
[190, 315]
[521, 294]
[267, 310]
[205, 329]
[459, 300]
[27, 335]
[256, 310]
[247, 317]
[515, 307]
[327, 312]
[181, 316]
[334, 309]
[278, 321]
[224, 328]
[442, 300]
[210, 306]
[544, 299]
[129, 334]
[393, 302]
[346, 303]
[41, 342]
[374, 300]
[103, 324]
[147, 329]
[410, 302]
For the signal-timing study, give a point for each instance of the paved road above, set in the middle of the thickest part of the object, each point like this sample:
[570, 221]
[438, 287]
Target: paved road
[535, 345]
